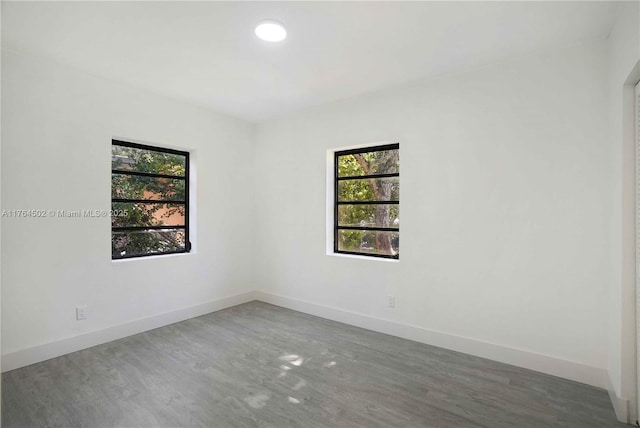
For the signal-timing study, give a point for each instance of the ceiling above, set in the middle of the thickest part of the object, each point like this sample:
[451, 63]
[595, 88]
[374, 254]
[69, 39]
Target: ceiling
[206, 52]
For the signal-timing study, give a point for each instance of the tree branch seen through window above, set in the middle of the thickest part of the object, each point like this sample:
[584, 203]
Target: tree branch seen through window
[149, 200]
[367, 201]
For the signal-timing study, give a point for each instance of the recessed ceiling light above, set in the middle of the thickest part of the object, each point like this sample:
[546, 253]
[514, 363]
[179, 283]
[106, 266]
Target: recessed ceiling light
[271, 31]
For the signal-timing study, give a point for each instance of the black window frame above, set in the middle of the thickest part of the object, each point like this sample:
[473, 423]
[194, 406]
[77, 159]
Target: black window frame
[337, 203]
[187, 248]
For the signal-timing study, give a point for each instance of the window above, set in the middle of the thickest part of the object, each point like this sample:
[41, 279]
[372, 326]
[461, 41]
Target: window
[367, 201]
[149, 200]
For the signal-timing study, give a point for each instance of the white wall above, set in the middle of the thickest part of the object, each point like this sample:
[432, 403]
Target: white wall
[0, 232]
[56, 135]
[505, 208]
[624, 71]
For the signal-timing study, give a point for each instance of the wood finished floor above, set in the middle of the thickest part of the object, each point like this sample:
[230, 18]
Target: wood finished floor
[258, 365]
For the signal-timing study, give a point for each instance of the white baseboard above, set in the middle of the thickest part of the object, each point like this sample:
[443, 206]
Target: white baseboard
[36, 354]
[530, 360]
[620, 405]
[517, 357]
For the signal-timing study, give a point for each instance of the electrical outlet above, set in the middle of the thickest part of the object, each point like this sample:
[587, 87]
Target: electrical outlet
[81, 313]
[391, 302]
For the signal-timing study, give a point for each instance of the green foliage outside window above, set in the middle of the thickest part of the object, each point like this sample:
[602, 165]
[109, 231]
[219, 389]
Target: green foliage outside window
[127, 192]
[372, 190]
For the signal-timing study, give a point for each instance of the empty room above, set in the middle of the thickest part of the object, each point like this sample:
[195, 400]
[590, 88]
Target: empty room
[201, 205]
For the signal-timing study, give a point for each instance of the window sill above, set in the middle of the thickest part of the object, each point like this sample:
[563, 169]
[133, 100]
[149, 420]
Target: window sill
[154, 257]
[355, 256]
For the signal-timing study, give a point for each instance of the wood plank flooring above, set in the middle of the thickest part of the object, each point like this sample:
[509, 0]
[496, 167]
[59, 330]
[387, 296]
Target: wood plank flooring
[258, 365]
